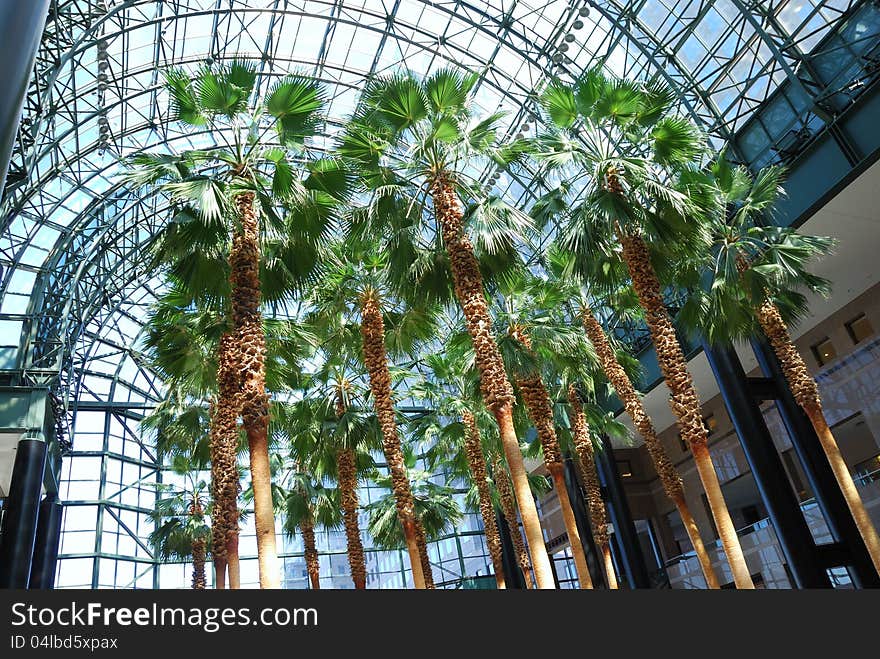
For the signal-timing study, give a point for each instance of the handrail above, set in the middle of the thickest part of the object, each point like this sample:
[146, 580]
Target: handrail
[807, 504]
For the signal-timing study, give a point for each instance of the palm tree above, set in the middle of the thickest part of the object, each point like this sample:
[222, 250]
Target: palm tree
[308, 503]
[504, 491]
[473, 448]
[376, 361]
[583, 444]
[449, 388]
[758, 270]
[180, 528]
[527, 314]
[633, 152]
[559, 265]
[435, 508]
[182, 342]
[235, 189]
[421, 136]
[357, 283]
[332, 432]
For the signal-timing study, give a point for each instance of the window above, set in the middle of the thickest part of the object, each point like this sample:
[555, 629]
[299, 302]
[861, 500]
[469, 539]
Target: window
[859, 328]
[625, 468]
[824, 351]
[867, 471]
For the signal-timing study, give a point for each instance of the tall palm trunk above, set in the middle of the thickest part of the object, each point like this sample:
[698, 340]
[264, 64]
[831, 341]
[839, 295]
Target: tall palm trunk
[632, 403]
[224, 467]
[494, 385]
[537, 400]
[508, 509]
[376, 361]
[250, 343]
[683, 400]
[232, 561]
[424, 558]
[313, 564]
[345, 465]
[199, 550]
[477, 464]
[806, 393]
[583, 445]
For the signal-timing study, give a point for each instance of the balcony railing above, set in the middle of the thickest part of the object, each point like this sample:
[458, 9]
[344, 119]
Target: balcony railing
[761, 548]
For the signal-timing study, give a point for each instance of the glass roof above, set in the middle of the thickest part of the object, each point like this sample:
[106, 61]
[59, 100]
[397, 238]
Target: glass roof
[70, 238]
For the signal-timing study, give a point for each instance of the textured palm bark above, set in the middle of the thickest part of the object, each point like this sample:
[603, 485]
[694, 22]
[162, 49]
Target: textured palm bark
[376, 361]
[806, 393]
[250, 344]
[508, 509]
[347, 471]
[477, 464]
[496, 390]
[537, 400]
[583, 444]
[632, 403]
[424, 558]
[224, 468]
[199, 550]
[683, 399]
[313, 564]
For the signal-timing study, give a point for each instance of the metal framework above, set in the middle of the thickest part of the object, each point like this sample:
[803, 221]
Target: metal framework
[765, 77]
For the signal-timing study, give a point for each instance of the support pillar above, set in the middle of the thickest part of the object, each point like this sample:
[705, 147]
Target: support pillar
[792, 532]
[513, 576]
[22, 508]
[46, 544]
[631, 558]
[582, 519]
[817, 471]
[21, 24]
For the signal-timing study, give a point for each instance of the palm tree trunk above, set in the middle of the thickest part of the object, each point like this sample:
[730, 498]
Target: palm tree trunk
[477, 464]
[632, 403]
[537, 400]
[583, 444]
[508, 509]
[494, 385]
[224, 468]
[376, 361]
[244, 262]
[424, 558]
[199, 549]
[347, 469]
[232, 555]
[683, 400]
[610, 574]
[198, 553]
[313, 564]
[806, 393]
[585, 580]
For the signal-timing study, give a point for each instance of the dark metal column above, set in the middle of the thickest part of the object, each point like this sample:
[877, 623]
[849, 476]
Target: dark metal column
[631, 558]
[21, 24]
[513, 576]
[782, 505]
[20, 522]
[582, 519]
[818, 471]
[46, 544]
